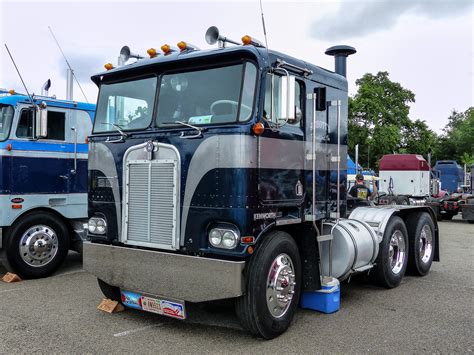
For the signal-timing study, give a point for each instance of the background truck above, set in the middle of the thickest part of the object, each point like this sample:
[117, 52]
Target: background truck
[451, 175]
[221, 174]
[406, 179]
[43, 181]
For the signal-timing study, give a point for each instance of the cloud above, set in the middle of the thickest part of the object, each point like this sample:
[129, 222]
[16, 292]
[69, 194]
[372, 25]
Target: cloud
[356, 19]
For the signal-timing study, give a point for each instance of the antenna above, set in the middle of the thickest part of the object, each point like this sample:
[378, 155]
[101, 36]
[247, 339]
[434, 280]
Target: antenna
[263, 25]
[24, 85]
[72, 71]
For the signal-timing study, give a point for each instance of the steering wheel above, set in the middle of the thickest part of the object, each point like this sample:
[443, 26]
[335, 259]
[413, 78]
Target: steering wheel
[234, 105]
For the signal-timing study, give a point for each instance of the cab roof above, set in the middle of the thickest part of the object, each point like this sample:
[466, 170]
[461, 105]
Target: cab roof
[266, 59]
[23, 99]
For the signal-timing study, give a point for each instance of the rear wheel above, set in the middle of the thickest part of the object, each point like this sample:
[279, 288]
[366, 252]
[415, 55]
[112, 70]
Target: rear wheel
[273, 283]
[109, 291]
[421, 239]
[392, 260]
[37, 244]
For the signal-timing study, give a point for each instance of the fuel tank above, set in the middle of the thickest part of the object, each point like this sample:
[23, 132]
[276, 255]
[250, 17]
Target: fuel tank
[354, 248]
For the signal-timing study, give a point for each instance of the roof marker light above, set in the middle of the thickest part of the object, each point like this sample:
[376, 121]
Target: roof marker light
[186, 47]
[167, 49]
[246, 40]
[108, 66]
[152, 52]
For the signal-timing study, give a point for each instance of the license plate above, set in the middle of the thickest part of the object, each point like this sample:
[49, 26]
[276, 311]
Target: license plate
[174, 309]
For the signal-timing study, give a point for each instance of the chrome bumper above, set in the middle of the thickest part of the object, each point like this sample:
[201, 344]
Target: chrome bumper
[188, 278]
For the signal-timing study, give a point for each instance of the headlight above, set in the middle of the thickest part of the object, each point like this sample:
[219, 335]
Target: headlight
[215, 237]
[225, 238]
[97, 225]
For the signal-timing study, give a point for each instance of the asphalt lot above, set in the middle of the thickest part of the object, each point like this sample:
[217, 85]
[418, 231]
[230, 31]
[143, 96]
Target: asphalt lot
[431, 314]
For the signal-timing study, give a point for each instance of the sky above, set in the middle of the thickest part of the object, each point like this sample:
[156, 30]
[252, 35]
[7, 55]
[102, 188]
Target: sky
[426, 45]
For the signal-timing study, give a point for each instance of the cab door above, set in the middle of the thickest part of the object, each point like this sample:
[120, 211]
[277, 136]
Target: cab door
[281, 148]
[40, 165]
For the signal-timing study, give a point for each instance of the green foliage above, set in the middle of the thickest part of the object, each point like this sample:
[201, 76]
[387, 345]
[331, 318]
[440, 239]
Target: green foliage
[457, 140]
[379, 122]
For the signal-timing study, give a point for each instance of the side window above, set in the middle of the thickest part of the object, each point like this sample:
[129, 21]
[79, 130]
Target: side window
[270, 111]
[56, 125]
[25, 124]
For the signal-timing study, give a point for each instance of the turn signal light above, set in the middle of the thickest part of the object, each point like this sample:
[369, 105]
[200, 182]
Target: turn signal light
[9, 147]
[258, 128]
[108, 66]
[152, 52]
[17, 207]
[11, 92]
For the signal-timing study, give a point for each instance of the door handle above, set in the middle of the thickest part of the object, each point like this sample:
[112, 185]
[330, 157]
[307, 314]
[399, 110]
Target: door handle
[65, 177]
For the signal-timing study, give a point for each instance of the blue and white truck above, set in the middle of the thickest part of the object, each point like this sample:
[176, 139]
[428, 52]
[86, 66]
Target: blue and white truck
[43, 181]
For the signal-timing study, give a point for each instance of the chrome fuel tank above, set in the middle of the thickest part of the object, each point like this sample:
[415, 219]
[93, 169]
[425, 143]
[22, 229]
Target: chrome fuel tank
[354, 248]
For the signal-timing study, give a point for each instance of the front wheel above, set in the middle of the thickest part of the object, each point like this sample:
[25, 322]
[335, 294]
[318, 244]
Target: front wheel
[37, 244]
[421, 233]
[391, 262]
[273, 284]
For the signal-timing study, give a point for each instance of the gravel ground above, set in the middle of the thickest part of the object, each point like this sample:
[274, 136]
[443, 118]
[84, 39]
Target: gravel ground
[432, 314]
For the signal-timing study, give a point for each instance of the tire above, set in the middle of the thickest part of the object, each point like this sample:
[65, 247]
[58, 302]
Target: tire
[394, 245]
[470, 222]
[276, 257]
[36, 245]
[109, 291]
[421, 241]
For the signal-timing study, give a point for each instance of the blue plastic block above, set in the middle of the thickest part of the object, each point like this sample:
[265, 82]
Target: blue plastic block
[326, 300]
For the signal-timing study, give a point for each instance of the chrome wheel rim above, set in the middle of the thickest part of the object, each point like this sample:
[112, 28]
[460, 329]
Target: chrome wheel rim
[397, 252]
[426, 243]
[38, 245]
[280, 285]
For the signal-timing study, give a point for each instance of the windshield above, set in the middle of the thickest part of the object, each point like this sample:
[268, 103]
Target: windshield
[6, 117]
[217, 95]
[129, 105]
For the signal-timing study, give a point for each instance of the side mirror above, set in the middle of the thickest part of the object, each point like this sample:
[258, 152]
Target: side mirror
[286, 102]
[41, 121]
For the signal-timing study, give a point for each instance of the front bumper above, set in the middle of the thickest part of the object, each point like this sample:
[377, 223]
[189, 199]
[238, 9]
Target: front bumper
[188, 278]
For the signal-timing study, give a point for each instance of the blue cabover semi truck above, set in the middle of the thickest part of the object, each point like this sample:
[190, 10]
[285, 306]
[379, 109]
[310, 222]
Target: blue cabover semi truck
[221, 174]
[43, 181]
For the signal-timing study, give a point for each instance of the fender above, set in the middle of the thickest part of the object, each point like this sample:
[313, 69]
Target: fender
[378, 216]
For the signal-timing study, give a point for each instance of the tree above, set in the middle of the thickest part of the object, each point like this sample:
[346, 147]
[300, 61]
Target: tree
[457, 140]
[378, 114]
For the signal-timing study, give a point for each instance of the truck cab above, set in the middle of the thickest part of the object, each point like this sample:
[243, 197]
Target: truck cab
[221, 174]
[43, 181]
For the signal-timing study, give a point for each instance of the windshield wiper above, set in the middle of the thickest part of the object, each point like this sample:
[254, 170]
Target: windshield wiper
[198, 129]
[119, 129]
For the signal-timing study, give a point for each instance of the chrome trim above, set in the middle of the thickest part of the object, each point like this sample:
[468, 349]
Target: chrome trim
[142, 157]
[286, 221]
[1, 238]
[189, 278]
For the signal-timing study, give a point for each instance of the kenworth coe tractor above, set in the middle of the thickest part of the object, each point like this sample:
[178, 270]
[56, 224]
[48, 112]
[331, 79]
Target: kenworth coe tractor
[43, 181]
[221, 174]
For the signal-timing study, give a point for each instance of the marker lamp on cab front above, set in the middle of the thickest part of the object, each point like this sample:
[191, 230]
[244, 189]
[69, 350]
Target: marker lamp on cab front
[97, 225]
[224, 238]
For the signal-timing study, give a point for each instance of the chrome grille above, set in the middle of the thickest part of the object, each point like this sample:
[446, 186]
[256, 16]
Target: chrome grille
[151, 203]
